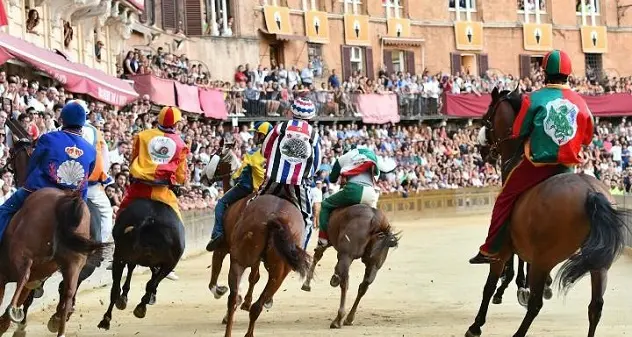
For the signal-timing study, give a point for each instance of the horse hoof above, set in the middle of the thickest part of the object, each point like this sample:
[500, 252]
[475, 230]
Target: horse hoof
[245, 307]
[140, 311]
[152, 299]
[38, 293]
[16, 314]
[104, 324]
[335, 280]
[225, 320]
[348, 322]
[268, 304]
[471, 334]
[53, 324]
[523, 297]
[121, 303]
[548, 293]
[218, 291]
[335, 325]
[497, 300]
[305, 287]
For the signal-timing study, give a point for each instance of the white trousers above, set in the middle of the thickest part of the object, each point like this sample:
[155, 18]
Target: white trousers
[97, 196]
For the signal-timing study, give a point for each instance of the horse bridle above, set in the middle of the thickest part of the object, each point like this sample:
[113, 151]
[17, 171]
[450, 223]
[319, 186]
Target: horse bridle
[22, 145]
[495, 143]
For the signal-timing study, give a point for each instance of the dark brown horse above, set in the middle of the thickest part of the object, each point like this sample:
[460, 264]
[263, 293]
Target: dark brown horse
[270, 229]
[356, 232]
[588, 231]
[50, 232]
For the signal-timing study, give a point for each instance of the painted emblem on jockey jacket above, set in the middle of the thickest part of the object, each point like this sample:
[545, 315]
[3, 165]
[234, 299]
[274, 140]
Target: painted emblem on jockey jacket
[162, 149]
[70, 173]
[560, 122]
[296, 147]
[73, 152]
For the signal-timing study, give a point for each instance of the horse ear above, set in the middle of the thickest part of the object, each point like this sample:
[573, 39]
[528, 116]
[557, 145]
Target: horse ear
[495, 93]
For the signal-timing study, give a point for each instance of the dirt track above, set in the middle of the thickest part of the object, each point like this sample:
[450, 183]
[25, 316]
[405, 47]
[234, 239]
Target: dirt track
[426, 288]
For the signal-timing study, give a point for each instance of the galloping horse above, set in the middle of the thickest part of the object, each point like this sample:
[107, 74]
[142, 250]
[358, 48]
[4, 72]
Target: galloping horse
[147, 233]
[357, 231]
[50, 232]
[588, 231]
[269, 229]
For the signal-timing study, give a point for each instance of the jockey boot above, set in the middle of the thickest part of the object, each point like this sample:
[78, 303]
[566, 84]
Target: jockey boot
[214, 243]
[323, 239]
[480, 259]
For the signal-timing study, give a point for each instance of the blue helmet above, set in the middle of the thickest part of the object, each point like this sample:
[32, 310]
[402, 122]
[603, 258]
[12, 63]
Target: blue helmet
[73, 115]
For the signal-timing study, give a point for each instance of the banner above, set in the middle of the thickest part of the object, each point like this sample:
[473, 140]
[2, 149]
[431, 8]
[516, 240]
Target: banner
[188, 97]
[537, 36]
[160, 91]
[317, 26]
[473, 106]
[594, 39]
[213, 104]
[397, 27]
[277, 20]
[468, 35]
[378, 109]
[357, 30]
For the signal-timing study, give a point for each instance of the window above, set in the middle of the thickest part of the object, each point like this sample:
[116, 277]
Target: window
[594, 66]
[531, 5]
[357, 59]
[148, 16]
[588, 5]
[352, 6]
[219, 12]
[394, 8]
[397, 60]
[462, 3]
[315, 58]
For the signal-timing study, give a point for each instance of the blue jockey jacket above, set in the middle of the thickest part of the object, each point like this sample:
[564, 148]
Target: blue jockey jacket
[61, 159]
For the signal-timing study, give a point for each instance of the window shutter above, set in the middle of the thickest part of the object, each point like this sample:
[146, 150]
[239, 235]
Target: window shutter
[525, 65]
[169, 20]
[368, 57]
[483, 64]
[388, 61]
[410, 62]
[193, 17]
[346, 62]
[455, 62]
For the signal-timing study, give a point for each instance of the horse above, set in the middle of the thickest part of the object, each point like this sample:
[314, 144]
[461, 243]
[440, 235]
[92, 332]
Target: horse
[588, 233]
[357, 231]
[147, 233]
[220, 168]
[269, 229]
[521, 283]
[49, 233]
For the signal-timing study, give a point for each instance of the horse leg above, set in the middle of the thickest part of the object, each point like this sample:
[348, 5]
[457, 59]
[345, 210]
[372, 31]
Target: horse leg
[521, 282]
[537, 278]
[599, 281]
[216, 268]
[548, 292]
[369, 276]
[29, 296]
[151, 289]
[115, 291]
[341, 277]
[495, 269]
[253, 278]
[508, 274]
[277, 273]
[5, 321]
[318, 254]
[234, 278]
[24, 270]
[70, 274]
[121, 302]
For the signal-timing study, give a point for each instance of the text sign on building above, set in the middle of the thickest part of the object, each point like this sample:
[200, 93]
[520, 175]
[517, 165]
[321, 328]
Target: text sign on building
[277, 20]
[398, 27]
[537, 37]
[468, 35]
[594, 39]
[357, 30]
[317, 26]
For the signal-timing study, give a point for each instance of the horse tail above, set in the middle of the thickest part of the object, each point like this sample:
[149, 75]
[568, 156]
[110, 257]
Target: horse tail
[69, 212]
[386, 237]
[283, 242]
[604, 243]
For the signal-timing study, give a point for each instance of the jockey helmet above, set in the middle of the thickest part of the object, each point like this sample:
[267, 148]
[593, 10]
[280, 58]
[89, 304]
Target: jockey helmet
[303, 108]
[169, 116]
[262, 127]
[82, 103]
[73, 114]
[557, 62]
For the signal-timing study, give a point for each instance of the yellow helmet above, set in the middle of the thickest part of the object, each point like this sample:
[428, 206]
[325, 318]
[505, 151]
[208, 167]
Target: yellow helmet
[169, 116]
[262, 127]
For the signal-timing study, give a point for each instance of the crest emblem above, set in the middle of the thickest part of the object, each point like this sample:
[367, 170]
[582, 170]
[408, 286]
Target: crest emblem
[560, 122]
[73, 152]
[162, 150]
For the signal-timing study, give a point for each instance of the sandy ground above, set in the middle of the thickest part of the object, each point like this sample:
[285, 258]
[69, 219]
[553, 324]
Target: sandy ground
[426, 288]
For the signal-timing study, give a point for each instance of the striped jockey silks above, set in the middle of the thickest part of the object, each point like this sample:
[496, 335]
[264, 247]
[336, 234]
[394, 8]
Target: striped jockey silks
[292, 151]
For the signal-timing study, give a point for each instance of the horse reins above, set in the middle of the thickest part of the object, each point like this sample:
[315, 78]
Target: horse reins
[495, 144]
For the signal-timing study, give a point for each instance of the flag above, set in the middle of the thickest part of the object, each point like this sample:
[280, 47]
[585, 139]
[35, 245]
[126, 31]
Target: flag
[4, 20]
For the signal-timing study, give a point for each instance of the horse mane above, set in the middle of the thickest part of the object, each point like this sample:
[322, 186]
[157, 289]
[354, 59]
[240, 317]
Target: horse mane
[514, 98]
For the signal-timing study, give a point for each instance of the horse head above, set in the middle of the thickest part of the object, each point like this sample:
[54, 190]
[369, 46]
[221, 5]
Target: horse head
[222, 165]
[19, 159]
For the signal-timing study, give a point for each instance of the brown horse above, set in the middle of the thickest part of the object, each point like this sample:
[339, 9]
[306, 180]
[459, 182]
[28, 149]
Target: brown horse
[270, 229]
[50, 232]
[19, 160]
[355, 232]
[588, 231]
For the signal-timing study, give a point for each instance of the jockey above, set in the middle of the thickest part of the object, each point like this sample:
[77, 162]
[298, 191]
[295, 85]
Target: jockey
[158, 162]
[249, 178]
[361, 168]
[292, 153]
[555, 122]
[61, 159]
